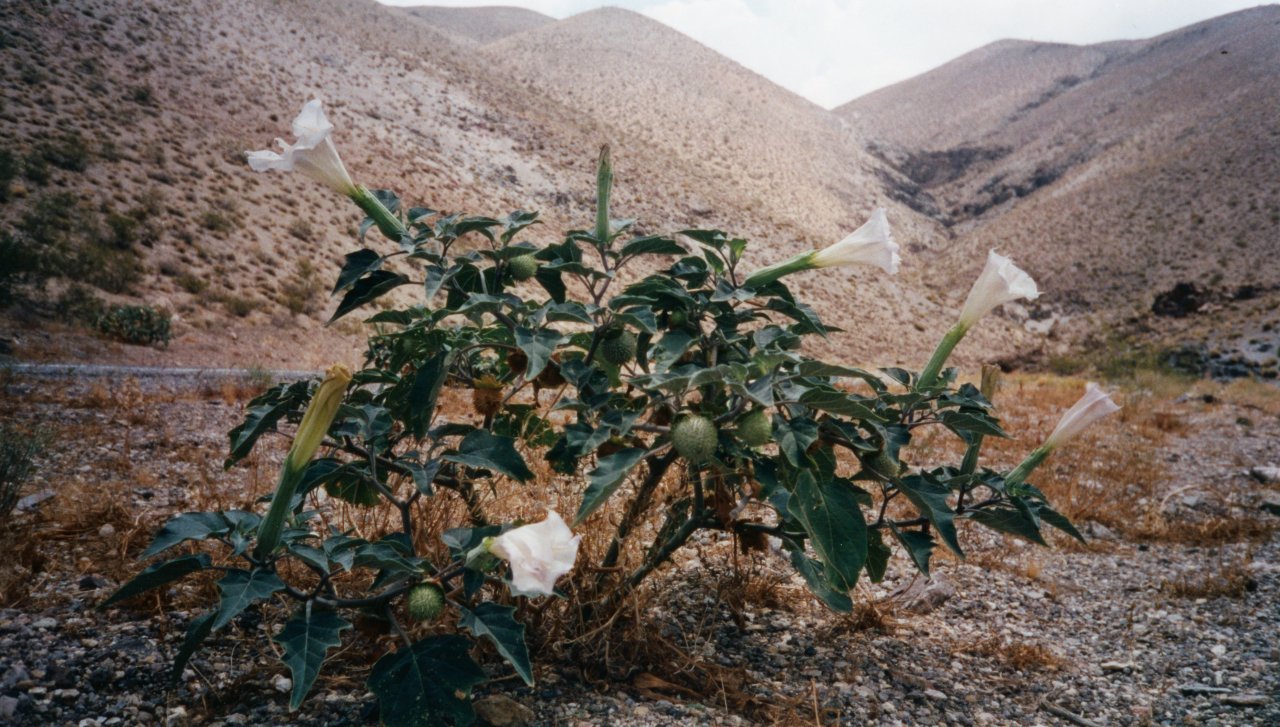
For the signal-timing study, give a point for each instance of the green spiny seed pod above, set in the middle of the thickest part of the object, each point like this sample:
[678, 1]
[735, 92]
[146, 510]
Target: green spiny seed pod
[523, 267]
[678, 319]
[755, 429]
[884, 465]
[618, 347]
[694, 437]
[426, 601]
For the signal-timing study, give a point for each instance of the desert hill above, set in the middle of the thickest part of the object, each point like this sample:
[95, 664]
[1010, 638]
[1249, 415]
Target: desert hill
[479, 25]
[159, 100]
[1114, 170]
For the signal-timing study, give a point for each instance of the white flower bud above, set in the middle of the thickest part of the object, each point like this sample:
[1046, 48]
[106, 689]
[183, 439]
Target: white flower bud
[1094, 405]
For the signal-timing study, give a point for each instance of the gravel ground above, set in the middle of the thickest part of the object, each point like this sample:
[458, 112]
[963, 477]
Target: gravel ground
[1028, 636]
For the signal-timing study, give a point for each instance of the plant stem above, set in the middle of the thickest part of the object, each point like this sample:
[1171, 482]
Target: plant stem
[940, 355]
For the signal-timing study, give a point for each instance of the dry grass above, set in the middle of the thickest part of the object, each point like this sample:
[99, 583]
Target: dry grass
[1019, 655]
[1226, 579]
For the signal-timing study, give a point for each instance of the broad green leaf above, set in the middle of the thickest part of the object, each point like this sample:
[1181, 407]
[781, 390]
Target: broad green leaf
[158, 575]
[976, 422]
[831, 516]
[197, 632]
[538, 345]
[931, 500]
[917, 544]
[651, 245]
[1059, 521]
[878, 555]
[310, 555]
[794, 437]
[370, 287]
[387, 555]
[242, 588]
[814, 576]
[355, 266]
[670, 348]
[605, 479]
[421, 402]
[498, 624]
[835, 401]
[184, 527]
[305, 639]
[483, 450]
[1012, 520]
[427, 684]
[263, 413]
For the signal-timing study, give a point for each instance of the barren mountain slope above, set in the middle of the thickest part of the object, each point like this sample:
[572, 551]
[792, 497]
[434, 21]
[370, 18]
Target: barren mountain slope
[164, 97]
[957, 103]
[779, 153]
[479, 25]
[1157, 166]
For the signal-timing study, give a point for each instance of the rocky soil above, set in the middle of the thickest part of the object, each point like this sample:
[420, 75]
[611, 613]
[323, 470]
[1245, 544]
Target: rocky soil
[1169, 630]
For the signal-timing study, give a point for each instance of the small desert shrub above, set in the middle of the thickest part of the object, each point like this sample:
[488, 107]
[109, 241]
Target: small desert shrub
[67, 238]
[35, 168]
[137, 324]
[69, 152]
[9, 166]
[193, 284]
[18, 450]
[299, 292]
[77, 303]
[302, 230]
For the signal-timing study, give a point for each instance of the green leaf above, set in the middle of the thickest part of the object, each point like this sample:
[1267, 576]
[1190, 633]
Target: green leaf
[427, 684]
[184, 527]
[354, 486]
[878, 555]
[831, 516]
[159, 575]
[835, 401]
[387, 556]
[372, 286]
[609, 474]
[240, 589]
[1011, 520]
[421, 402]
[670, 348]
[917, 544]
[498, 624]
[306, 638]
[538, 345]
[815, 577]
[794, 437]
[976, 422]
[483, 450]
[197, 632]
[264, 411]
[1059, 521]
[356, 265]
[652, 245]
[310, 555]
[931, 500]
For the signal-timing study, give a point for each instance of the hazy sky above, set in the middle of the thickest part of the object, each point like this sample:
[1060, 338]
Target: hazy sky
[831, 51]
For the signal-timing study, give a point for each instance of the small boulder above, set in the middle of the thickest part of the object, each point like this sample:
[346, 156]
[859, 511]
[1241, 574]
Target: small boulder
[499, 710]
[924, 595]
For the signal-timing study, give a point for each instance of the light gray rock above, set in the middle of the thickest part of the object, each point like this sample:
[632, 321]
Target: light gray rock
[924, 595]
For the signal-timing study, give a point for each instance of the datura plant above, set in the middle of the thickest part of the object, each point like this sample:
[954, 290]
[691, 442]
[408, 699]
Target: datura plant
[683, 401]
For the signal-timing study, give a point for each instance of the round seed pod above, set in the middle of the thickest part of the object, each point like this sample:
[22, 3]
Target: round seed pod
[486, 397]
[426, 601]
[523, 267]
[755, 429]
[618, 348]
[695, 438]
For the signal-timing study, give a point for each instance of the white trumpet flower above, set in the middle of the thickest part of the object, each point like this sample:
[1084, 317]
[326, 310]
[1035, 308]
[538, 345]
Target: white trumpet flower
[1094, 405]
[871, 244]
[1000, 282]
[313, 153]
[538, 553]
